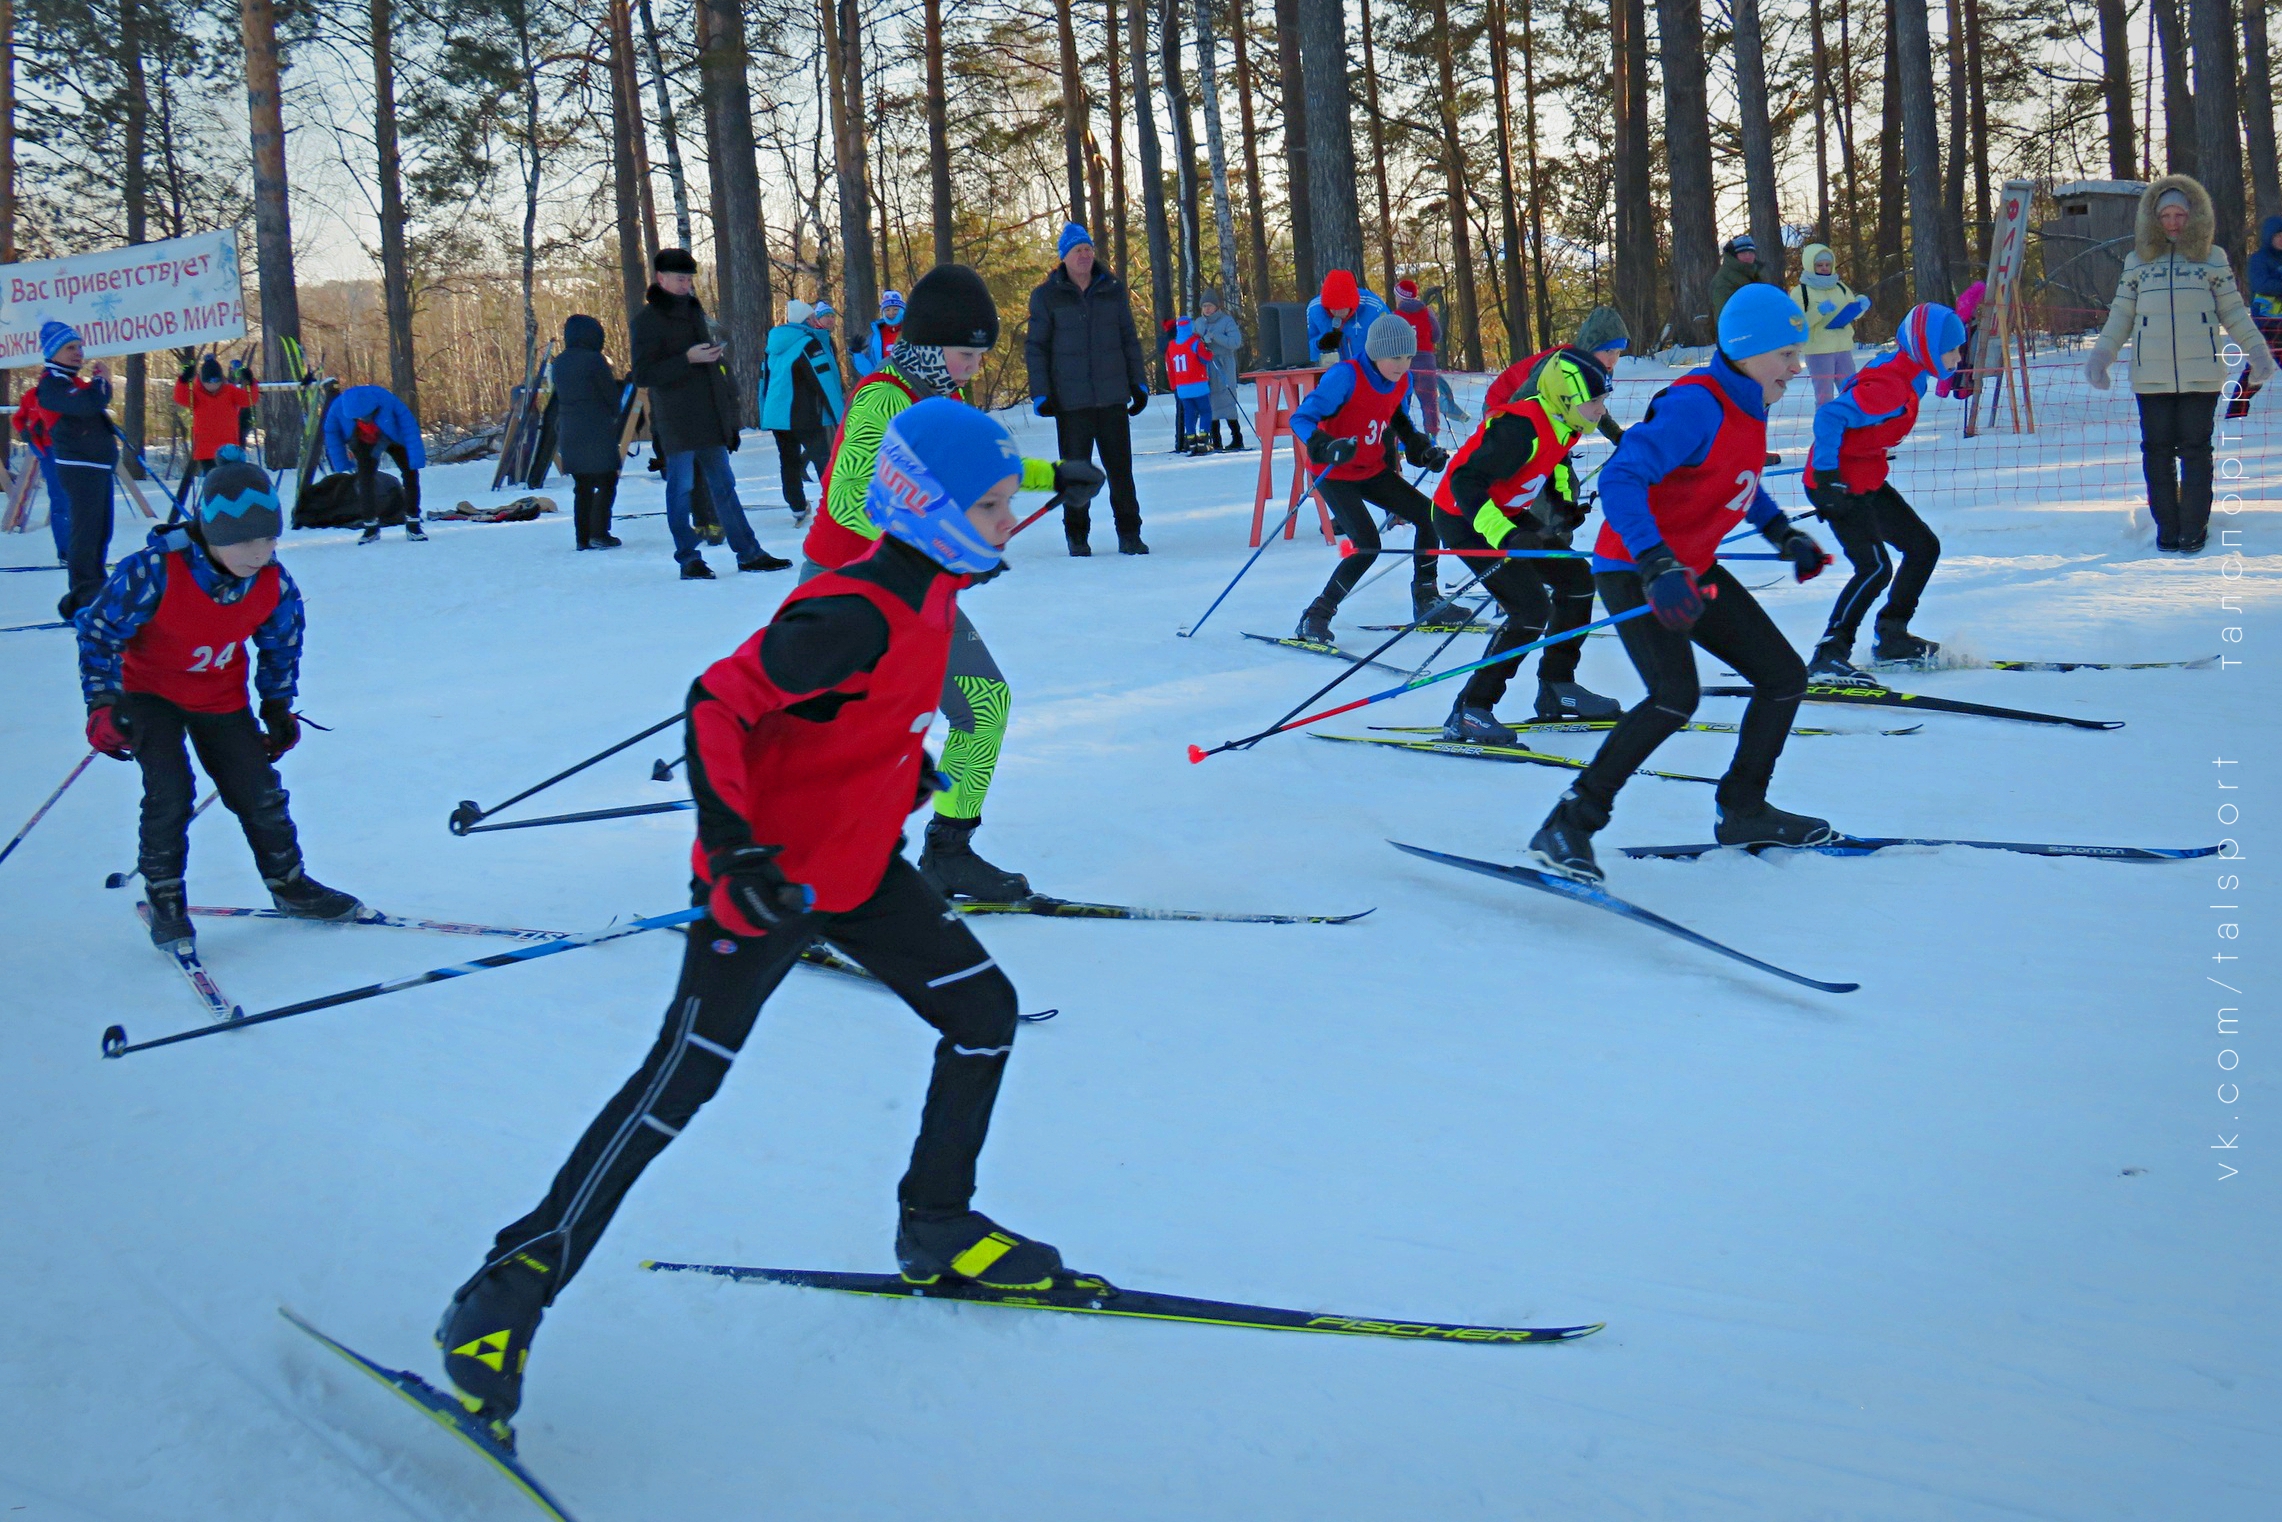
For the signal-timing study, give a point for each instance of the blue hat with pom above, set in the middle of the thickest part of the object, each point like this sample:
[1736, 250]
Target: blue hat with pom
[54, 335]
[1073, 234]
[937, 460]
[1759, 319]
[1930, 330]
[237, 500]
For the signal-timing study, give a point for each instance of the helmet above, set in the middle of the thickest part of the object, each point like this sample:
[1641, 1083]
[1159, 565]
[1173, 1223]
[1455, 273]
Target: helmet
[936, 460]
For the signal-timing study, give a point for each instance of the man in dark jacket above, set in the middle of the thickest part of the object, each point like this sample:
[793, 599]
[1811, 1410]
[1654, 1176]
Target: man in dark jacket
[86, 453]
[587, 396]
[1740, 266]
[1084, 360]
[693, 412]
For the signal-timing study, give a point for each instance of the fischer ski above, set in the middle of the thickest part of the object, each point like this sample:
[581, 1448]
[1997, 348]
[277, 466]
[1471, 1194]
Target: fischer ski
[1864, 845]
[1333, 651]
[1886, 697]
[184, 955]
[1515, 753]
[388, 921]
[1477, 627]
[447, 1412]
[2201, 663]
[1592, 726]
[1092, 1296]
[1071, 909]
[1588, 893]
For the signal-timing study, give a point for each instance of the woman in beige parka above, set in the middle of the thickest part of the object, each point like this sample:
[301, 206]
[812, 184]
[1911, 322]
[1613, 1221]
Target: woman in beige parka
[2178, 307]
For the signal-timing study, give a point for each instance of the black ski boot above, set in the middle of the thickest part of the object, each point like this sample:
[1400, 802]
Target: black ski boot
[948, 861]
[1130, 544]
[170, 911]
[486, 1337]
[1832, 667]
[1476, 726]
[1428, 605]
[1762, 824]
[305, 898]
[1896, 643]
[1563, 844]
[1315, 624]
[1567, 700]
[967, 1244]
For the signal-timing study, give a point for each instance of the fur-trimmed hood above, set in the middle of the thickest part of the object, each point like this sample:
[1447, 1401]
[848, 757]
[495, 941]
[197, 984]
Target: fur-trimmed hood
[2202, 223]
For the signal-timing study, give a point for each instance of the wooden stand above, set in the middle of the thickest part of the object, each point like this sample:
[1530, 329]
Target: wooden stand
[1279, 393]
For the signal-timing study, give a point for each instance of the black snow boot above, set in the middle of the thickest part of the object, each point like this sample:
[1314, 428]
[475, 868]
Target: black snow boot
[1476, 726]
[486, 1337]
[170, 911]
[1235, 435]
[305, 898]
[414, 532]
[1315, 624]
[1567, 700]
[1079, 546]
[1129, 543]
[371, 535]
[1564, 842]
[1762, 824]
[967, 1244]
[694, 569]
[762, 560]
[1832, 666]
[1896, 643]
[948, 861]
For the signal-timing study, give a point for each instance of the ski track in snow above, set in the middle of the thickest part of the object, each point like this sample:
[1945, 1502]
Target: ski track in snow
[1863, 1257]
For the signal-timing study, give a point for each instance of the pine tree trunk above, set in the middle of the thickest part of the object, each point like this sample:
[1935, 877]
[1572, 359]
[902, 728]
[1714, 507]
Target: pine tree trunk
[749, 303]
[273, 232]
[1298, 182]
[7, 142]
[844, 59]
[1687, 145]
[1958, 161]
[1256, 223]
[2115, 85]
[1073, 112]
[134, 185]
[1184, 149]
[676, 176]
[1821, 56]
[1111, 23]
[530, 156]
[1846, 146]
[1378, 154]
[1758, 137]
[1921, 153]
[1152, 185]
[1536, 186]
[2218, 133]
[2257, 110]
[1892, 290]
[939, 137]
[1334, 210]
[1635, 223]
[1216, 152]
[1516, 311]
[1454, 187]
[626, 115]
[2180, 154]
[395, 271]
[1984, 226]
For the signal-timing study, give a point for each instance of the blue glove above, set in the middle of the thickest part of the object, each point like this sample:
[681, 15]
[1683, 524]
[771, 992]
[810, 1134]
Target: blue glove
[1672, 590]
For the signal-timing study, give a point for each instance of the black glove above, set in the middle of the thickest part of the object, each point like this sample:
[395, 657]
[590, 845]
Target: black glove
[750, 894]
[1774, 459]
[1833, 501]
[187, 372]
[1327, 342]
[932, 780]
[1432, 456]
[1139, 403]
[1076, 481]
[1332, 451]
[1673, 596]
[281, 726]
[1807, 558]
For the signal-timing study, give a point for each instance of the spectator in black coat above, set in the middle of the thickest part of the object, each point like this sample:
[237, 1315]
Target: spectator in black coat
[693, 413]
[1086, 373]
[587, 392]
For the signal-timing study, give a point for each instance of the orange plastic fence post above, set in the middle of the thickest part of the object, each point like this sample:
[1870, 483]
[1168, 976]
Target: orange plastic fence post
[1278, 394]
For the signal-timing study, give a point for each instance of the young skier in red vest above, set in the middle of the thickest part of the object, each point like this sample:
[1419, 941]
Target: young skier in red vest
[1847, 481]
[215, 407]
[806, 754]
[1346, 423]
[1499, 494]
[1188, 369]
[159, 661]
[1681, 480]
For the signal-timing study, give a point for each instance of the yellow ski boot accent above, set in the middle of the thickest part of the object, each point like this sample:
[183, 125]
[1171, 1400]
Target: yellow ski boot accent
[490, 1350]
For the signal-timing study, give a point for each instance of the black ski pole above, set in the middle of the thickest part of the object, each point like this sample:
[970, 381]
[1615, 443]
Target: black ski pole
[627, 812]
[115, 1043]
[469, 813]
[42, 811]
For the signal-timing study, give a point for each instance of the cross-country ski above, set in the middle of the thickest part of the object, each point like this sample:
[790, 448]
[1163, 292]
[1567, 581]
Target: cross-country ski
[1861, 845]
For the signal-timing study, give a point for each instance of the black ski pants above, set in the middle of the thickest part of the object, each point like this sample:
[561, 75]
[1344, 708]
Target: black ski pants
[1735, 629]
[1535, 595]
[1351, 503]
[1081, 432]
[797, 450]
[230, 748]
[367, 457]
[906, 936]
[2175, 454]
[591, 499]
[1865, 526]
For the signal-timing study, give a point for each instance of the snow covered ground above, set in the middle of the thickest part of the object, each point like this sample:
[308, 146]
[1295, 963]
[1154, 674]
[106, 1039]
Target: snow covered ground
[1957, 1246]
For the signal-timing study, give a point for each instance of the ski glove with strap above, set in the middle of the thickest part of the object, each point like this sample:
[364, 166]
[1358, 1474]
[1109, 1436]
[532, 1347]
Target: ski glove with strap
[1333, 451]
[1672, 590]
[1807, 558]
[751, 895]
[1432, 456]
[110, 731]
[1834, 501]
[281, 726]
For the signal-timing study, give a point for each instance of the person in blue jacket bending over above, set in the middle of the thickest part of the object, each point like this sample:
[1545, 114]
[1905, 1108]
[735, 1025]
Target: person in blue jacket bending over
[362, 423]
[1340, 318]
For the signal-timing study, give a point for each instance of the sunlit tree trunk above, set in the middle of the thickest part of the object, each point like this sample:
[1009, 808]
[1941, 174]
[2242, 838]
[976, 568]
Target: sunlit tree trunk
[1257, 223]
[1687, 146]
[939, 135]
[273, 230]
[395, 272]
[1298, 186]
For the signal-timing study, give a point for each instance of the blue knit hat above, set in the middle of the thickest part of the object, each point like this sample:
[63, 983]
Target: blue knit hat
[237, 501]
[54, 335]
[1073, 234]
[1929, 331]
[936, 460]
[1759, 319]
[891, 299]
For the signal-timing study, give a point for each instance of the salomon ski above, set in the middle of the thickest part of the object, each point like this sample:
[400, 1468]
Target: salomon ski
[1097, 1297]
[1599, 898]
[184, 955]
[1886, 697]
[1333, 651]
[1601, 726]
[1071, 909]
[1864, 845]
